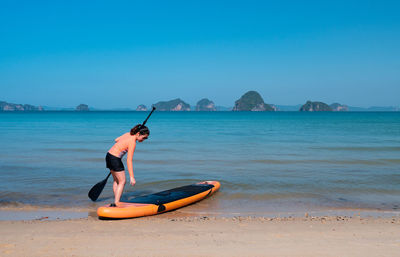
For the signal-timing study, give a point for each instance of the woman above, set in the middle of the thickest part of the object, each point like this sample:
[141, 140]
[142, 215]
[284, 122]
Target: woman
[125, 143]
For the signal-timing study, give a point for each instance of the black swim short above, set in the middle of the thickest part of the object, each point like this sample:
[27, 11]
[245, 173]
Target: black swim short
[114, 163]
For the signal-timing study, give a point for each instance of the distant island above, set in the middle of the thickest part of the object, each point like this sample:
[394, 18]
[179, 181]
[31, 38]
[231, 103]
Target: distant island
[252, 101]
[205, 105]
[336, 107]
[173, 105]
[82, 108]
[4, 106]
[315, 107]
[141, 108]
[310, 106]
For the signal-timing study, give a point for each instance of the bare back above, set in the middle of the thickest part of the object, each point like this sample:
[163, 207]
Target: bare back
[122, 144]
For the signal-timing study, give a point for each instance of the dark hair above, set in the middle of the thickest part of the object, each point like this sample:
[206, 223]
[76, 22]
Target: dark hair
[143, 130]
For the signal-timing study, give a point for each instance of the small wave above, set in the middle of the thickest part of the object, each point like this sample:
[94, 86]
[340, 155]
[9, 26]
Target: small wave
[92, 159]
[360, 148]
[7, 205]
[75, 150]
[265, 161]
[167, 183]
[267, 196]
[159, 162]
[12, 204]
[14, 168]
[156, 150]
[326, 161]
[183, 161]
[395, 161]
[271, 161]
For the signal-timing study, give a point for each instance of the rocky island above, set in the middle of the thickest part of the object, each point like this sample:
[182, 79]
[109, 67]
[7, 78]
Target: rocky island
[205, 105]
[82, 108]
[310, 106]
[175, 105]
[336, 107]
[141, 108]
[252, 101]
[4, 106]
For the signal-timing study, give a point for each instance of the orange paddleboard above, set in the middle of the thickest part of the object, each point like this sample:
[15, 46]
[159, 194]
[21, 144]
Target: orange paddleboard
[160, 202]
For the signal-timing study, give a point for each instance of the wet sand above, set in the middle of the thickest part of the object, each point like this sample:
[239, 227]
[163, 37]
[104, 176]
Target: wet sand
[175, 235]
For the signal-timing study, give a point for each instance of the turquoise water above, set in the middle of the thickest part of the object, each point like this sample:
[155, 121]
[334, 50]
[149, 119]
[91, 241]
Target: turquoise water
[282, 161]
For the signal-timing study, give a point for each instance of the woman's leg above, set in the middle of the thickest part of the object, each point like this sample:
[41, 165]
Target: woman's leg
[115, 182]
[118, 185]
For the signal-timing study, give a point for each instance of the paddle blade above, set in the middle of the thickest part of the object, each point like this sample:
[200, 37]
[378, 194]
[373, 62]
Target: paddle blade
[96, 190]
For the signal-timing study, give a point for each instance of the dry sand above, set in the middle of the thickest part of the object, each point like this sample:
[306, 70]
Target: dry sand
[167, 235]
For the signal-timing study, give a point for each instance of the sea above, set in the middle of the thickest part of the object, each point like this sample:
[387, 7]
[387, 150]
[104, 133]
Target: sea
[266, 162]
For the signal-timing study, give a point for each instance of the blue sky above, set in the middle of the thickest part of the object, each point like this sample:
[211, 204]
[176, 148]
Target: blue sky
[125, 53]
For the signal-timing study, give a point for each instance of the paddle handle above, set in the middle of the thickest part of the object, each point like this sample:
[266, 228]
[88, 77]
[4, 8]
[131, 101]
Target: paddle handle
[144, 122]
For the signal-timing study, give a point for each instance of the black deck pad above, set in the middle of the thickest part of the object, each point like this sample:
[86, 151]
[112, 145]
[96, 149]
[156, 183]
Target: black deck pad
[172, 194]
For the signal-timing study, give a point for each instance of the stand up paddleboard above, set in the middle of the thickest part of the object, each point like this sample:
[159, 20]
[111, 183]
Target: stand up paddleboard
[160, 202]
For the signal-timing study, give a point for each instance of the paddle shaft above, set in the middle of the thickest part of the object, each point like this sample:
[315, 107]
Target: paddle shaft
[144, 122]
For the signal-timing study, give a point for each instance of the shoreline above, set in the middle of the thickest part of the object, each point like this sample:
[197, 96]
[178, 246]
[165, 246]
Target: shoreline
[168, 235]
[30, 212]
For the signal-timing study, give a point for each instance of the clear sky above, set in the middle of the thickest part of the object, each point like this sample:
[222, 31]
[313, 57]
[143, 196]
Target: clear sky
[112, 54]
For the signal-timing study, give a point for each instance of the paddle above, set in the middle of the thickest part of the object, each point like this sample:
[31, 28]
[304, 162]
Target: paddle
[96, 190]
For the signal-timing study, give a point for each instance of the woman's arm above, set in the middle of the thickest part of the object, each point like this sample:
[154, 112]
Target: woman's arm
[129, 159]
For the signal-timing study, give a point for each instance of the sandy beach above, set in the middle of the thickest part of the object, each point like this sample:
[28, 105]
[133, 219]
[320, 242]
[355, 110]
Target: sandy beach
[173, 235]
